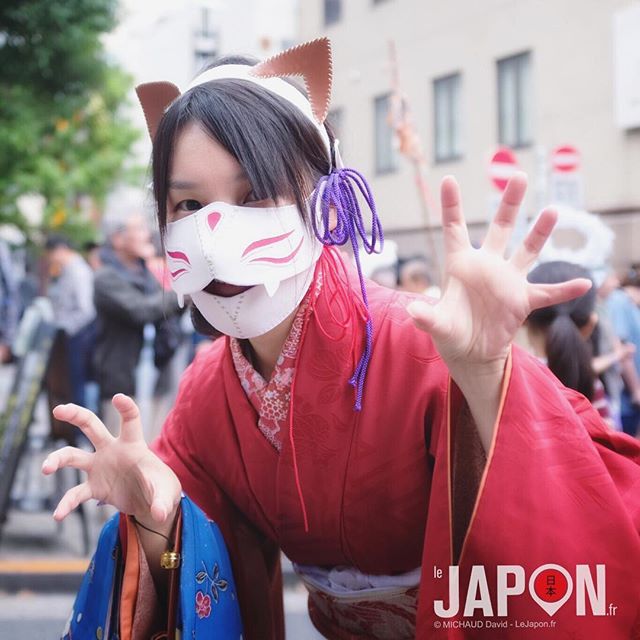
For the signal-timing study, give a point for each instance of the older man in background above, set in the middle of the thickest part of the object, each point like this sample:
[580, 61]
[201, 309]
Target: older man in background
[127, 297]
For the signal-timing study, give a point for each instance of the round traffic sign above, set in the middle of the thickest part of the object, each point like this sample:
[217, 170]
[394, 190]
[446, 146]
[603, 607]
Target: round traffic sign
[565, 159]
[502, 166]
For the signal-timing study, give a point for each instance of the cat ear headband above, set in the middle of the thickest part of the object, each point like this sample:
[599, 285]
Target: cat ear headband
[311, 60]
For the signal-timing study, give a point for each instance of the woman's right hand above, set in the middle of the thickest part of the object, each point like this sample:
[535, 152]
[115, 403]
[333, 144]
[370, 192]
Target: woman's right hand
[122, 471]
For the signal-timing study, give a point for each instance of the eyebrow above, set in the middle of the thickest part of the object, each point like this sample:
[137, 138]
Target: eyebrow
[184, 185]
[181, 185]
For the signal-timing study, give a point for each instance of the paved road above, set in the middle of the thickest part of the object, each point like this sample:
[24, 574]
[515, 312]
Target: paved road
[29, 616]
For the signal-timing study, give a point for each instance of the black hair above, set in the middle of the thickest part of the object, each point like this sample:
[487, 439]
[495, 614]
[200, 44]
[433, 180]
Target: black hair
[279, 148]
[568, 353]
[90, 245]
[57, 241]
[631, 277]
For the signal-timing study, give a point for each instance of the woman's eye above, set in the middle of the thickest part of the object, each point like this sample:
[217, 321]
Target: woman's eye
[183, 209]
[188, 205]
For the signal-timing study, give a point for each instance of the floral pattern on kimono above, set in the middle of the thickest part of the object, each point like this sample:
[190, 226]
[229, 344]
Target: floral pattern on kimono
[271, 399]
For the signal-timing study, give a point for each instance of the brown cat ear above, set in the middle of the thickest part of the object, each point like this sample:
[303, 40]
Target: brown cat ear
[155, 97]
[312, 61]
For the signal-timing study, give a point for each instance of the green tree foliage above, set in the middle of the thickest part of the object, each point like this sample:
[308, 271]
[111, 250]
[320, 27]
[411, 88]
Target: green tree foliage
[62, 133]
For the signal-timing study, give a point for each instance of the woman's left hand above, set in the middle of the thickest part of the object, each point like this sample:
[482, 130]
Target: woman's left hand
[487, 297]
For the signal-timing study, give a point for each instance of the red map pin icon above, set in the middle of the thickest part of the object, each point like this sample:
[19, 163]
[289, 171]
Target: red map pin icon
[550, 586]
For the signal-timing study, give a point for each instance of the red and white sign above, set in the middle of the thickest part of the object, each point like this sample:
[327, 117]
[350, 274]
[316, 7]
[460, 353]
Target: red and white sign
[566, 183]
[565, 159]
[502, 166]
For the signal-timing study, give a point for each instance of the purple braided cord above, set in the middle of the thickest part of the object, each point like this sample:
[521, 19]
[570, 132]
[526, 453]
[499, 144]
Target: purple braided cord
[338, 189]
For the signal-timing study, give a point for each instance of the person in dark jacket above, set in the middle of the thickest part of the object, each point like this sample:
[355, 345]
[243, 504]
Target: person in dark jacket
[127, 297]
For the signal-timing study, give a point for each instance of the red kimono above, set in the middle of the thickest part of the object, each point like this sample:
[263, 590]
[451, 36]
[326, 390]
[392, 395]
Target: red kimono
[403, 483]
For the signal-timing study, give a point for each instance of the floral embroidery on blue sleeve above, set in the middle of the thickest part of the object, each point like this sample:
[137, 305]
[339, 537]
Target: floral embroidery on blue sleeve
[214, 583]
[203, 605]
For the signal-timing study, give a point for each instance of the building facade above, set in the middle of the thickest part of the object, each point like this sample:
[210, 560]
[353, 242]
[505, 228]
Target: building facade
[525, 74]
[173, 41]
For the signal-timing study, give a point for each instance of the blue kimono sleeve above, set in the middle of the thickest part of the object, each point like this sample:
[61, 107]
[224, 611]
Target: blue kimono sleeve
[208, 602]
[92, 607]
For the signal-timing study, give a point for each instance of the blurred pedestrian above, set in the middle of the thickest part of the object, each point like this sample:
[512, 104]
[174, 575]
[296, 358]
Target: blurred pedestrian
[415, 277]
[382, 267]
[560, 334]
[610, 353]
[168, 357]
[71, 292]
[92, 252]
[9, 303]
[622, 305]
[385, 276]
[127, 297]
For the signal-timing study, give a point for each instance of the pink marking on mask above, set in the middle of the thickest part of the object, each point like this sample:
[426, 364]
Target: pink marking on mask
[284, 260]
[176, 274]
[179, 255]
[265, 242]
[213, 218]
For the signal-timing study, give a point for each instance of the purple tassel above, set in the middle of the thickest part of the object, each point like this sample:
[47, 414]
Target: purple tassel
[338, 189]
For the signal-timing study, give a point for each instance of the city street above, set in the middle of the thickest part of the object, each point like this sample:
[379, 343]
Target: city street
[35, 616]
[31, 615]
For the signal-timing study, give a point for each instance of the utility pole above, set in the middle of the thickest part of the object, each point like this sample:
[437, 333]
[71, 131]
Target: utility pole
[410, 147]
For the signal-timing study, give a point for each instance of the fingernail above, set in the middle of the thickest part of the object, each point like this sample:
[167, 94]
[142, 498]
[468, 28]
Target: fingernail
[55, 513]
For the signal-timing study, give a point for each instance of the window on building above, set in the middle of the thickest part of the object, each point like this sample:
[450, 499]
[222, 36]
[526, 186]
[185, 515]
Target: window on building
[514, 100]
[447, 118]
[206, 30]
[332, 11]
[205, 41]
[386, 155]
